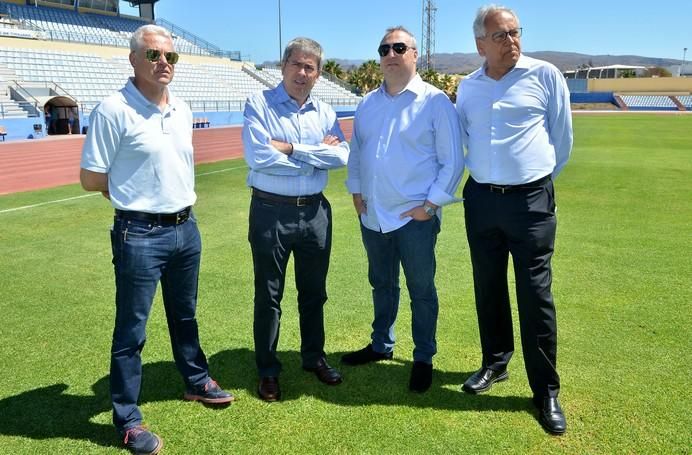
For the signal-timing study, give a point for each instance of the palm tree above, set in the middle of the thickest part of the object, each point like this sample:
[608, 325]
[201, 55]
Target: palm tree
[333, 68]
[366, 77]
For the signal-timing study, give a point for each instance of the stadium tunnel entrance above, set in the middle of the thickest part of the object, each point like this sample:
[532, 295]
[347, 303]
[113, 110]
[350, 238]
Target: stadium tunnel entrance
[61, 115]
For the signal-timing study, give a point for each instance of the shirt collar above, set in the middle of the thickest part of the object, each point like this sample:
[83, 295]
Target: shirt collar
[282, 96]
[415, 85]
[134, 92]
[522, 64]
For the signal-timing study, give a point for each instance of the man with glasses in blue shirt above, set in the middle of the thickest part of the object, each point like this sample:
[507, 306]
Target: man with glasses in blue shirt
[138, 153]
[517, 130]
[405, 164]
[291, 140]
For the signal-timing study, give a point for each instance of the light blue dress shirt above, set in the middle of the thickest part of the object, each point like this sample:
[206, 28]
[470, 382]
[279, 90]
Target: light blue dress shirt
[405, 149]
[518, 129]
[273, 114]
[146, 153]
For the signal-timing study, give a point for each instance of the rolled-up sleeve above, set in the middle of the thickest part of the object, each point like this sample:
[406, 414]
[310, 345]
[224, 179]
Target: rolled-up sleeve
[323, 156]
[353, 165]
[259, 153]
[450, 155]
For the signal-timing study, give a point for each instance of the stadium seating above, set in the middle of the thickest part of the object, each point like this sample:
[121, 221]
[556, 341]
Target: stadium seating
[324, 89]
[686, 100]
[89, 77]
[68, 25]
[649, 102]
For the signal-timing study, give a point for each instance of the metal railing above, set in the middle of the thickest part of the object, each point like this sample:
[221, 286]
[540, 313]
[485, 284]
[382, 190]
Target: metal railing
[257, 75]
[216, 105]
[27, 102]
[203, 44]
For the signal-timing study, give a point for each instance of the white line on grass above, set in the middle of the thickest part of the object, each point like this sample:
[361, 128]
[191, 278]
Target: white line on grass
[57, 201]
[49, 202]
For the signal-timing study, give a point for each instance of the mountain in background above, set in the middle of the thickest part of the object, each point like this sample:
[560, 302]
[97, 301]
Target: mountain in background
[460, 63]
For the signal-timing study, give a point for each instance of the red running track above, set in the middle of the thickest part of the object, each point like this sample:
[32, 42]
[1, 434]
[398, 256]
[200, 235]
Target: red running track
[35, 164]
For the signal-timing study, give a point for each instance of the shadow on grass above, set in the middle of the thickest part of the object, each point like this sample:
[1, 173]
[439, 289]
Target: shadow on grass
[49, 412]
[381, 383]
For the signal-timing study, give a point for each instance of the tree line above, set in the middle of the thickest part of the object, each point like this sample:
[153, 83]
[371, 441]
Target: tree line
[368, 77]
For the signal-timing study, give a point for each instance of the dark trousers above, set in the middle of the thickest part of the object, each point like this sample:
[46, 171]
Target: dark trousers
[145, 254]
[523, 223]
[277, 230]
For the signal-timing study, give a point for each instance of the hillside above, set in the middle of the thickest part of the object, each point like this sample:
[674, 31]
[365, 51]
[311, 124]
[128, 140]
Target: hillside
[466, 62]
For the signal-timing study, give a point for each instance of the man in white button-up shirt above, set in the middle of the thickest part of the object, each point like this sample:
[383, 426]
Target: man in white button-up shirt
[517, 129]
[405, 164]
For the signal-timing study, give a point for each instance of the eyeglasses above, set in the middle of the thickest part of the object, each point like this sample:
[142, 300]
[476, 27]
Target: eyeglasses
[399, 48]
[499, 37]
[153, 55]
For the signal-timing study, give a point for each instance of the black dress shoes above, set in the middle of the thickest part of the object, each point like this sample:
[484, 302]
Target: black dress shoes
[483, 379]
[550, 415]
[268, 389]
[421, 377]
[325, 373]
[365, 355]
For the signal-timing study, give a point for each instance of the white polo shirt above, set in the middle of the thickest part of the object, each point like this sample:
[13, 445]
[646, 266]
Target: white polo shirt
[146, 153]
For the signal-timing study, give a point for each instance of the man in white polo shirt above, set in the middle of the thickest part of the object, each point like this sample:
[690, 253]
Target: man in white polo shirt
[138, 153]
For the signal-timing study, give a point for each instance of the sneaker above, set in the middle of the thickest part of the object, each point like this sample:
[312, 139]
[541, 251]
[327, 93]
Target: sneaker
[209, 393]
[421, 377]
[365, 355]
[141, 441]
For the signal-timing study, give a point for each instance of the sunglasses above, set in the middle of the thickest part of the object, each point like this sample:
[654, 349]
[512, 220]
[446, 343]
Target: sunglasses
[153, 55]
[399, 48]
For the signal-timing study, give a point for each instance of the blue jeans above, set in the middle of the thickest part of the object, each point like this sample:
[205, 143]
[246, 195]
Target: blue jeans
[413, 247]
[143, 254]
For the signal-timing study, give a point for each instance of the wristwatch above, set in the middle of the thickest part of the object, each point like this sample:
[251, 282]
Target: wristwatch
[429, 210]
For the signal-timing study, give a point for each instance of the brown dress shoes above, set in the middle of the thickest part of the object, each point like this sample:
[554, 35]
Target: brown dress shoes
[268, 389]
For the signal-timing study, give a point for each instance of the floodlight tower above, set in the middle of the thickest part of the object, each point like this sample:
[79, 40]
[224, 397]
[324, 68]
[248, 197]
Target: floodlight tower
[280, 44]
[427, 50]
[682, 66]
[146, 8]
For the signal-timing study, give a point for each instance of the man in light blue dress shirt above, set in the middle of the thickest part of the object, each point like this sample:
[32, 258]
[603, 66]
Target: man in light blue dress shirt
[291, 140]
[517, 130]
[405, 164]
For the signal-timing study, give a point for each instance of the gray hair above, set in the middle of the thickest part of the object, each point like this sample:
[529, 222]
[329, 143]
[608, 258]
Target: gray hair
[306, 46]
[482, 15]
[137, 39]
[400, 28]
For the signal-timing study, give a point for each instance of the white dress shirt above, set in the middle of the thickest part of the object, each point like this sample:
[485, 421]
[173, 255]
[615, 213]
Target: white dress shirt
[405, 149]
[517, 129]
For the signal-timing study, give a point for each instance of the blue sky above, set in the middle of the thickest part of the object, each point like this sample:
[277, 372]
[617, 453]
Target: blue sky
[351, 29]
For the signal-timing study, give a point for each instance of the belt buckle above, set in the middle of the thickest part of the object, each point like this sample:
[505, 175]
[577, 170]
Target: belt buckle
[497, 189]
[301, 201]
[181, 217]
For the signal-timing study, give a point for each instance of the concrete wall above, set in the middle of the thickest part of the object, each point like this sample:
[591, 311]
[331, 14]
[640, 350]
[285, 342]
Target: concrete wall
[643, 85]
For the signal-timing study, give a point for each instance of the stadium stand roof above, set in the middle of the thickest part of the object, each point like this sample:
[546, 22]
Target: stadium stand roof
[603, 72]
